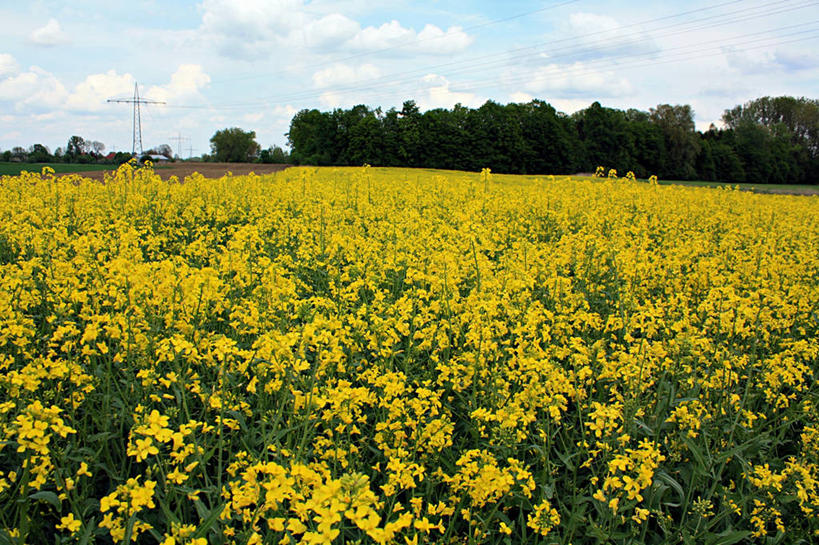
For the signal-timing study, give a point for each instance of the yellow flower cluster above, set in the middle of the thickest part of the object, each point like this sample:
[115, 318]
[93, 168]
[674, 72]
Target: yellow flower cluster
[405, 356]
[120, 508]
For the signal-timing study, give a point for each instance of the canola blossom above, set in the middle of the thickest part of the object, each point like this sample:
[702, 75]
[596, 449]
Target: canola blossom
[405, 356]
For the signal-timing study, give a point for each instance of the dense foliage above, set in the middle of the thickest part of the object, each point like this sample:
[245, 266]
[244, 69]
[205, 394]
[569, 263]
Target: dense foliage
[77, 151]
[770, 140]
[234, 145]
[403, 356]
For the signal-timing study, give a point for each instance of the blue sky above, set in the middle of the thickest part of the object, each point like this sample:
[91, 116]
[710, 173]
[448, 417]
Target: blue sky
[254, 63]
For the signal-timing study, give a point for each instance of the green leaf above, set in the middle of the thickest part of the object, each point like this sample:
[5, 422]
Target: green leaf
[728, 537]
[209, 521]
[696, 451]
[48, 496]
[88, 529]
[643, 426]
[567, 459]
[670, 481]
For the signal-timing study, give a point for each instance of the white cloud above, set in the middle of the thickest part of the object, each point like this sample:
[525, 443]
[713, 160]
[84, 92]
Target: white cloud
[286, 111]
[328, 31]
[520, 97]
[50, 34]
[577, 79]
[793, 59]
[186, 82]
[253, 117]
[569, 105]
[255, 29]
[387, 35]
[8, 65]
[594, 36]
[35, 88]
[751, 63]
[92, 93]
[722, 89]
[252, 19]
[344, 74]
[331, 100]
[434, 40]
[438, 94]
[767, 61]
[14, 136]
[707, 112]
[250, 29]
[431, 40]
[592, 23]
[48, 116]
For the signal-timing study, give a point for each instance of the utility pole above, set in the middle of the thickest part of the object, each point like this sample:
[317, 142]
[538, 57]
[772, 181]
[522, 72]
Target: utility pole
[137, 124]
[179, 139]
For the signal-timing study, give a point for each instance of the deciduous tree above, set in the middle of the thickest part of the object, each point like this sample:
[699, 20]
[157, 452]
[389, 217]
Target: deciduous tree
[234, 145]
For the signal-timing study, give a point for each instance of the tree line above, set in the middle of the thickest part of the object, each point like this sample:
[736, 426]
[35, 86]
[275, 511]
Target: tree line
[227, 145]
[767, 140]
[78, 150]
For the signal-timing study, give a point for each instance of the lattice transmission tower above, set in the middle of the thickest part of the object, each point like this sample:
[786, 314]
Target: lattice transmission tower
[137, 124]
[179, 139]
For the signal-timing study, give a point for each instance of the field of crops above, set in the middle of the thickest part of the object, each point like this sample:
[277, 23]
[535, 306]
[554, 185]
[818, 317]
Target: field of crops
[14, 169]
[406, 356]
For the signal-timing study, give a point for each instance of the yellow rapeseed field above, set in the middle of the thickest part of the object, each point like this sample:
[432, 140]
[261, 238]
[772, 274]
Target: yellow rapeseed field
[367, 355]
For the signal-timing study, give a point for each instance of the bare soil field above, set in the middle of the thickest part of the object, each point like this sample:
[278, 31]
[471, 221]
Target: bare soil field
[208, 170]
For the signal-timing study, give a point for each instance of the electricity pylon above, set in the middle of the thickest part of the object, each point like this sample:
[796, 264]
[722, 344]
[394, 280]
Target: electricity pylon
[179, 139]
[136, 101]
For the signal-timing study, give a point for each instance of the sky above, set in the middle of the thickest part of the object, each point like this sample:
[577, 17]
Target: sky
[253, 64]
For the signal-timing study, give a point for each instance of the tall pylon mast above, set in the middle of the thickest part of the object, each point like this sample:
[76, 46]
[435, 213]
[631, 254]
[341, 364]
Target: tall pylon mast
[179, 139]
[137, 123]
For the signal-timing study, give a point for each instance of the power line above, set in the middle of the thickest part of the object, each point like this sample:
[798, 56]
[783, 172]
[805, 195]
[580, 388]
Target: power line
[684, 56]
[137, 123]
[538, 44]
[405, 44]
[388, 81]
[720, 42]
[586, 69]
[600, 46]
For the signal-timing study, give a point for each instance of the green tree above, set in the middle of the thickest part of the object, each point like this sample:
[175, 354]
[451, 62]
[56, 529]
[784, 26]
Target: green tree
[648, 152]
[390, 128]
[791, 127]
[727, 163]
[706, 165]
[76, 149]
[366, 141]
[39, 153]
[800, 116]
[409, 121]
[551, 141]
[312, 138]
[273, 154]
[444, 139]
[681, 142]
[234, 145]
[18, 153]
[356, 136]
[606, 138]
